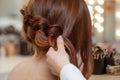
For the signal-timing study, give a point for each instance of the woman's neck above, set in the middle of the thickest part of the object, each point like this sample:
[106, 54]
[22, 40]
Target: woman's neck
[39, 54]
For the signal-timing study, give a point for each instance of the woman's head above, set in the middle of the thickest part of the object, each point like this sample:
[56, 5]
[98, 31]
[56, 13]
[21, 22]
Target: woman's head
[45, 20]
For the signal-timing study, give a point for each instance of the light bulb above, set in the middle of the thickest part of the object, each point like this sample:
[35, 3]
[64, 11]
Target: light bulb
[96, 25]
[90, 8]
[99, 9]
[118, 33]
[91, 2]
[101, 2]
[118, 14]
[100, 29]
[99, 18]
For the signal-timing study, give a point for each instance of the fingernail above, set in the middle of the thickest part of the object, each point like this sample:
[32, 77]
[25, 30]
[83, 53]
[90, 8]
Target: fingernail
[60, 38]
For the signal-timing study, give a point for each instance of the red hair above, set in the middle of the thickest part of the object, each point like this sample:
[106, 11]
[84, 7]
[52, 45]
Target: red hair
[45, 20]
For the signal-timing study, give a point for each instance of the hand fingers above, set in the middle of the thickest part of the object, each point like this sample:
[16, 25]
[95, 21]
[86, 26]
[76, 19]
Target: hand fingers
[50, 51]
[60, 43]
[50, 66]
[52, 71]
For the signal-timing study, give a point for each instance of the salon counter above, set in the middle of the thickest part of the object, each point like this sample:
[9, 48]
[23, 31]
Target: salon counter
[104, 77]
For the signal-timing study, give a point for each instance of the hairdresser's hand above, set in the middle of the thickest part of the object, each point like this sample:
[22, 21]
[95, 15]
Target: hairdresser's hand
[57, 59]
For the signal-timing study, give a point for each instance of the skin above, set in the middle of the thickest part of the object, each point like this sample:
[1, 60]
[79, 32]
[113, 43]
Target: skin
[42, 67]
[57, 59]
[34, 68]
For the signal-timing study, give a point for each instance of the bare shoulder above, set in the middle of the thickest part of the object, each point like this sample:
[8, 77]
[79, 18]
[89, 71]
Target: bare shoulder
[31, 69]
[19, 70]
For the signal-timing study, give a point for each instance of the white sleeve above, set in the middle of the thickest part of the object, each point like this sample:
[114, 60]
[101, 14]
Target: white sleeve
[71, 72]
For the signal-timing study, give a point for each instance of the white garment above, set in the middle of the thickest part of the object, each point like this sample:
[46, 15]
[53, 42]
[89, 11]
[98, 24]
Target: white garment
[71, 72]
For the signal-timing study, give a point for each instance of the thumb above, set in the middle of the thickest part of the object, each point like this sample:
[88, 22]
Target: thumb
[60, 43]
[50, 51]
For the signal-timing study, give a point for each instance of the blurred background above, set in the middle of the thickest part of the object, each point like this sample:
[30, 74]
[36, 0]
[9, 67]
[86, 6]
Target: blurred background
[105, 15]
